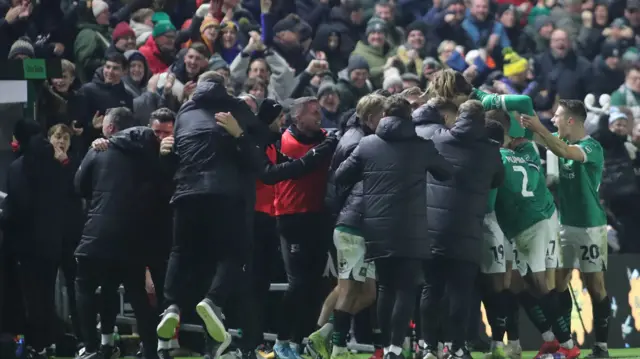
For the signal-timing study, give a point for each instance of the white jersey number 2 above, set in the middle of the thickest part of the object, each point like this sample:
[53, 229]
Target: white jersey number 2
[525, 181]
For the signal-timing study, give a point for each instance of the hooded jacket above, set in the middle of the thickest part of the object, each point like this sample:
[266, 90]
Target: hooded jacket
[136, 88]
[456, 207]
[113, 183]
[345, 203]
[156, 60]
[394, 188]
[209, 161]
[38, 186]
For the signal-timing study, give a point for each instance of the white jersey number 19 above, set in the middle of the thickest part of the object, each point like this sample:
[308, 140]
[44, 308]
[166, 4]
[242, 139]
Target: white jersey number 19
[525, 181]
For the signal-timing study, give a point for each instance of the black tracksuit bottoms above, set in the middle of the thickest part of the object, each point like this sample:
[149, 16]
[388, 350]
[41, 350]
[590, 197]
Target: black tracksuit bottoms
[109, 274]
[458, 279]
[209, 236]
[38, 284]
[399, 280]
[304, 241]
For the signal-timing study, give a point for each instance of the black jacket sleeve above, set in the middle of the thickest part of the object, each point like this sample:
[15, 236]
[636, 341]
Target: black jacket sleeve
[83, 180]
[498, 177]
[350, 171]
[439, 168]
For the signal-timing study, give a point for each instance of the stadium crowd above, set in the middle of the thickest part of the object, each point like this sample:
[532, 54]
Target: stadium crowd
[190, 144]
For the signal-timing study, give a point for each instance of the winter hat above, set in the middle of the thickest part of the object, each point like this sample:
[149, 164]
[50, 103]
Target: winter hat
[228, 25]
[122, 30]
[615, 114]
[446, 3]
[162, 28]
[542, 21]
[208, 22]
[160, 16]
[408, 76]
[376, 25]
[357, 62]
[430, 65]
[289, 23]
[417, 25]
[610, 49]
[24, 130]
[98, 7]
[502, 8]
[514, 64]
[216, 62]
[326, 88]
[134, 55]
[269, 111]
[391, 81]
[22, 46]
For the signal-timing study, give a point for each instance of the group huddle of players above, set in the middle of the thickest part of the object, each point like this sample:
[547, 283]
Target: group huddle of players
[527, 238]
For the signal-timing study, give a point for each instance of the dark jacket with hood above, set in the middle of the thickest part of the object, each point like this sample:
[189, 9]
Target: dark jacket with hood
[112, 181]
[571, 74]
[345, 203]
[394, 188]
[136, 88]
[98, 96]
[336, 61]
[350, 34]
[209, 162]
[456, 207]
[38, 187]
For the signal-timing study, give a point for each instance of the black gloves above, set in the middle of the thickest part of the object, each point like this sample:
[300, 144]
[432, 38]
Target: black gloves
[321, 152]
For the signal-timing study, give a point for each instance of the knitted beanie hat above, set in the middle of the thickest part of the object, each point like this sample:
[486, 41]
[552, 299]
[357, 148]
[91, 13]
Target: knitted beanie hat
[98, 6]
[162, 27]
[514, 64]
[21, 47]
[122, 30]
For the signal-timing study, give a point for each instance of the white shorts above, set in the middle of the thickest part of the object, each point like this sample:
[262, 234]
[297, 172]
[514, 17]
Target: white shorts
[584, 248]
[496, 250]
[537, 246]
[350, 251]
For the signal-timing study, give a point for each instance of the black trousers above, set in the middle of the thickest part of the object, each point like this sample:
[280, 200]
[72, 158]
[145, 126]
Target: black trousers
[68, 268]
[108, 274]
[398, 283]
[304, 241]
[209, 236]
[458, 279]
[38, 283]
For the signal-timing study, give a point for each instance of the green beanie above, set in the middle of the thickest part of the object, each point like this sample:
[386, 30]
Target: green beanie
[162, 28]
[160, 16]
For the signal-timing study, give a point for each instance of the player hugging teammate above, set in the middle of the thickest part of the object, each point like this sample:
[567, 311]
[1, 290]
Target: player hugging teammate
[521, 228]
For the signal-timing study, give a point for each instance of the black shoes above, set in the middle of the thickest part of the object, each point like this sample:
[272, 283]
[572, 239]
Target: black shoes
[598, 353]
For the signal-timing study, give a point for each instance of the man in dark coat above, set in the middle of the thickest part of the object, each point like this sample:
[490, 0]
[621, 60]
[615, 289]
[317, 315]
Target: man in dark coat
[112, 241]
[213, 202]
[456, 210]
[392, 165]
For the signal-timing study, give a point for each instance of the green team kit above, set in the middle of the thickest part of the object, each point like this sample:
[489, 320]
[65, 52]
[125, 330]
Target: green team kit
[524, 207]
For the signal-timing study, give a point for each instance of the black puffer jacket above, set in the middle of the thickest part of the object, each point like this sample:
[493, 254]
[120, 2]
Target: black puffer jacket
[345, 202]
[456, 207]
[114, 183]
[428, 121]
[209, 161]
[392, 165]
